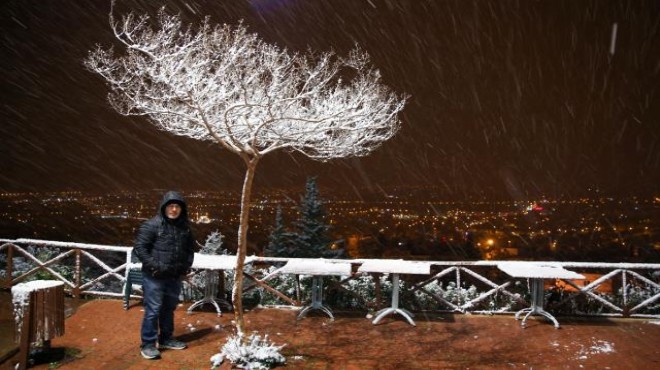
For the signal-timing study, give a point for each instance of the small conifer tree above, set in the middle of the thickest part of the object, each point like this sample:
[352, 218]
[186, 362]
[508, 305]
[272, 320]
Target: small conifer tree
[277, 240]
[311, 238]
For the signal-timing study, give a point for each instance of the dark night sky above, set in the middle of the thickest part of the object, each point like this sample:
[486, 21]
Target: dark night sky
[509, 99]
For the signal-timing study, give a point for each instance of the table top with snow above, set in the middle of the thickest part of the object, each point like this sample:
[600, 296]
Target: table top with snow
[215, 261]
[206, 261]
[317, 266]
[396, 267]
[536, 270]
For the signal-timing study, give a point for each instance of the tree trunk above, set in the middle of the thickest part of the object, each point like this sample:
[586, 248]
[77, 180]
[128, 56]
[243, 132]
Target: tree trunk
[237, 292]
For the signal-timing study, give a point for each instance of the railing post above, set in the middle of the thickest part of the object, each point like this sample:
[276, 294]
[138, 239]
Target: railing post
[77, 275]
[10, 266]
[624, 288]
[297, 286]
[459, 291]
[377, 289]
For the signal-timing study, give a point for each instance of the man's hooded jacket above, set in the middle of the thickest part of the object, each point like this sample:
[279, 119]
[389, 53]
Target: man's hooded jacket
[164, 246]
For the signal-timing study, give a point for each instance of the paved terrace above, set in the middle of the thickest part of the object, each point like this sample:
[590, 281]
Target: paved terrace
[102, 335]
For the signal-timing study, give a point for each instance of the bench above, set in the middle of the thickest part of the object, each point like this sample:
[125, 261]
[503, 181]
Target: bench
[133, 277]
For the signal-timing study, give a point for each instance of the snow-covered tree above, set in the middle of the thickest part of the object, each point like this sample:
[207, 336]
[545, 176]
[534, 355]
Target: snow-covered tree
[311, 238]
[277, 240]
[221, 84]
[213, 244]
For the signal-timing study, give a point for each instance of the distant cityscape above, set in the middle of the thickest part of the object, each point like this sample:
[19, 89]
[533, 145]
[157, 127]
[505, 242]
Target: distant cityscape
[402, 223]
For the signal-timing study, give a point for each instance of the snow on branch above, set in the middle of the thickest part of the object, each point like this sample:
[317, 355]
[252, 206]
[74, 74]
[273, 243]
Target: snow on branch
[222, 84]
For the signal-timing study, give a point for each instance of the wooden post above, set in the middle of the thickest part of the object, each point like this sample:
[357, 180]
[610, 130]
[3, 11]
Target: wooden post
[23, 339]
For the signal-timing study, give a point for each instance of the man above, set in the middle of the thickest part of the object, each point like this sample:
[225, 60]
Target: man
[165, 245]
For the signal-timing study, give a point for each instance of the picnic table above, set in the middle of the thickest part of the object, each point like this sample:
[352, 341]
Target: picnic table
[317, 268]
[536, 273]
[395, 267]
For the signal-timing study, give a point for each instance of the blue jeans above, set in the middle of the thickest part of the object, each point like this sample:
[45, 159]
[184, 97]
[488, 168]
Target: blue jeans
[161, 296]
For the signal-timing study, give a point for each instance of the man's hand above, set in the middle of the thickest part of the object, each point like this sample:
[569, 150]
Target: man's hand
[160, 270]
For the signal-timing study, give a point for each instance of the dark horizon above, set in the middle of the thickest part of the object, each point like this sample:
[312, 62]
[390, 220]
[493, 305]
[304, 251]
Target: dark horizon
[509, 100]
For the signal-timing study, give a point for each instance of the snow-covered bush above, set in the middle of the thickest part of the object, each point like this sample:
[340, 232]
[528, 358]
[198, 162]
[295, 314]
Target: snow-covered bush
[451, 293]
[636, 294]
[285, 283]
[362, 290]
[213, 244]
[364, 287]
[251, 296]
[255, 353]
[460, 296]
[572, 302]
[22, 265]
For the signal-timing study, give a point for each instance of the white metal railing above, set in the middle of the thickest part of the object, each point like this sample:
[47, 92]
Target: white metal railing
[78, 251]
[615, 289]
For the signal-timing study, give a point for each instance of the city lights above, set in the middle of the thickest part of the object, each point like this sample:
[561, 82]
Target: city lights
[600, 229]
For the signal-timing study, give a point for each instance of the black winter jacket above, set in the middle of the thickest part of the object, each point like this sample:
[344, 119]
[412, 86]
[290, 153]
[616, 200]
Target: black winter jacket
[166, 247]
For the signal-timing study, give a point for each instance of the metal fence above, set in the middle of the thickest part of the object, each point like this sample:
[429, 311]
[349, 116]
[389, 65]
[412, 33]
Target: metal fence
[609, 289]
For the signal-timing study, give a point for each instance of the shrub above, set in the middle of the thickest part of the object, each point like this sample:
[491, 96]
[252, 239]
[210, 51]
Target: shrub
[255, 353]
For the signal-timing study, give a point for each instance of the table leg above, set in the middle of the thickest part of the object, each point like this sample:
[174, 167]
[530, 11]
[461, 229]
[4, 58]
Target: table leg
[210, 292]
[536, 308]
[317, 299]
[394, 308]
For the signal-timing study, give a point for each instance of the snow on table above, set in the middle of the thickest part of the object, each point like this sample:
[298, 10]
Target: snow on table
[316, 267]
[396, 267]
[214, 261]
[536, 270]
[204, 261]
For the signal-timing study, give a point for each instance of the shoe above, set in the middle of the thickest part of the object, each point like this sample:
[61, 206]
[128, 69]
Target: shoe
[172, 344]
[150, 352]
